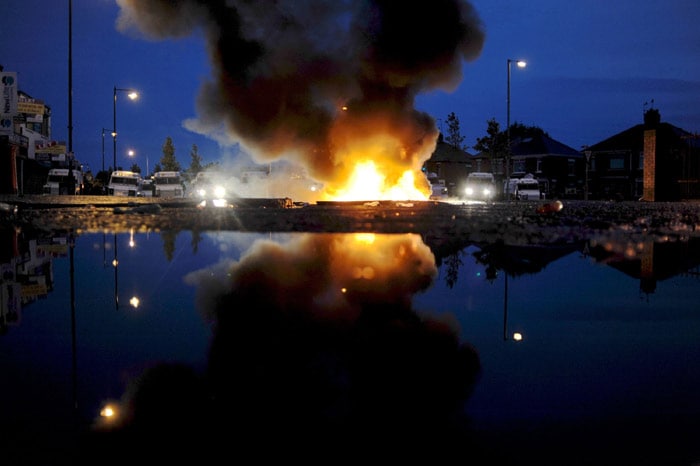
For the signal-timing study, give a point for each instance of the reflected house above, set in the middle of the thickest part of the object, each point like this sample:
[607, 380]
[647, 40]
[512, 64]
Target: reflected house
[653, 161]
[651, 261]
[516, 260]
[27, 272]
[450, 163]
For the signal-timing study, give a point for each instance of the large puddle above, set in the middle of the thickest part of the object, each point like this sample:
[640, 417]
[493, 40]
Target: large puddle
[344, 341]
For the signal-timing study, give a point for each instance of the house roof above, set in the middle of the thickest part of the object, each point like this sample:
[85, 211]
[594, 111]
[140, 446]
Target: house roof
[447, 153]
[633, 138]
[541, 144]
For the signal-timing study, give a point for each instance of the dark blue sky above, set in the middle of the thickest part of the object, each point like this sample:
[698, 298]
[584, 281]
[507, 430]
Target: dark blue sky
[592, 66]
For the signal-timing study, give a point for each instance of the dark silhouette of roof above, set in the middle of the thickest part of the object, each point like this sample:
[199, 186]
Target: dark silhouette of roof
[447, 153]
[633, 137]
[541, 144]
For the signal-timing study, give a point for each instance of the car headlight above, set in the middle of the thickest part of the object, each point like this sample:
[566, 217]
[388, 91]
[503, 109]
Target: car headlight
[487, 192]
[469, 191]
[219, 192]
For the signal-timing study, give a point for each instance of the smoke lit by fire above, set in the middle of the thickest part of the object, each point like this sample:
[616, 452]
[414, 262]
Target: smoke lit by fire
[328, 85]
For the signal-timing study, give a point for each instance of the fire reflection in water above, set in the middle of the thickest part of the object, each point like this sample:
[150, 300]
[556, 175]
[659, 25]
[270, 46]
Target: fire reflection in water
[316, 349]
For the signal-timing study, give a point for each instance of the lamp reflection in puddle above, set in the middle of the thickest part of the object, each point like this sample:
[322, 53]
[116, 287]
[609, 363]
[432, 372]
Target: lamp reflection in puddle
[517, 336]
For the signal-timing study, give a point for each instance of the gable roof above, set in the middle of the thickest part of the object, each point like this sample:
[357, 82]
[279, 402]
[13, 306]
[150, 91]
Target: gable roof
[633, 138]
[541, 144]
[447, 153]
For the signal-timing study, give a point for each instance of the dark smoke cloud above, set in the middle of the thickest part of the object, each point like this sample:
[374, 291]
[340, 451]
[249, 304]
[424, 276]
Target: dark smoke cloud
[283, 69]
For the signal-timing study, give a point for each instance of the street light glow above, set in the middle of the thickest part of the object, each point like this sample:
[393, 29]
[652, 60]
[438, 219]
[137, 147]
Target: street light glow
[521, 63]
[132, 95]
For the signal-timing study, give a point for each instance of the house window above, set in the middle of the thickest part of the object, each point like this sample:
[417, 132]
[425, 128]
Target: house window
[617, 163]
[538, 168]
[518, 166]
[571, 167]
[641, 160]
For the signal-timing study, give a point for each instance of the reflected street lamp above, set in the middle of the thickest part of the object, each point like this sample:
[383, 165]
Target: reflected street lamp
[520, 64]
[133, 95]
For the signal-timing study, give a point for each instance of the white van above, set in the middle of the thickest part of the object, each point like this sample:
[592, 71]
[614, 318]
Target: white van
[168, 184]
[479, 186]
[525, 188]
[58, 180]
[124, 183]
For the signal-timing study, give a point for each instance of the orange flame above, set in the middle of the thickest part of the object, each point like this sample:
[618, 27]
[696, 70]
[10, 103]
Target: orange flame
[376, 167]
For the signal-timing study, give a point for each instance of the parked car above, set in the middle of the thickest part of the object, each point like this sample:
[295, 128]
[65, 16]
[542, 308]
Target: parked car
[146, 188]
[168, 184]
[58, 181]
[124, 183]
[525, 188]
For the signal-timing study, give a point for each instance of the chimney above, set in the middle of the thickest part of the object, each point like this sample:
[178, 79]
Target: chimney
[652, 118]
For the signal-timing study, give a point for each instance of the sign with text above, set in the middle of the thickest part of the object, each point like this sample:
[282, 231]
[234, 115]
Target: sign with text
[8, 101]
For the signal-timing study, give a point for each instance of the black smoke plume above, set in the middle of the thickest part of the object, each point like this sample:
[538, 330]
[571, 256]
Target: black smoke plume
[298, 79]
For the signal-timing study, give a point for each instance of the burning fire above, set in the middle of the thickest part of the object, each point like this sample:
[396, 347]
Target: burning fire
[378, 156]
[367, 182]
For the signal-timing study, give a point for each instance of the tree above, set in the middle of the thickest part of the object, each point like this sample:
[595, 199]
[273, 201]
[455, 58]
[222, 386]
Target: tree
[454, 136]
[135, 168]
[168, 161]
[195, 163]
[494, 143]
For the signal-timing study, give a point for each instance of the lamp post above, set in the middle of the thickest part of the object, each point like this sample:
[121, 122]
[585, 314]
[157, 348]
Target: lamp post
[519, 64]
[103, 147]
[132, 94]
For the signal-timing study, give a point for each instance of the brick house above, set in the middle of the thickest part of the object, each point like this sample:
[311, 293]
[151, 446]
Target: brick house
[555, 165]
[653, 161]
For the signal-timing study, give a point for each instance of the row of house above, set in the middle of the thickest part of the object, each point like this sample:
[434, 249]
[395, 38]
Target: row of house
[651, 161]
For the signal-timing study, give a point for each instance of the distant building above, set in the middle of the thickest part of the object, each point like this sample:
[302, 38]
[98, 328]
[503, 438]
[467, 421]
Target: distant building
[450, 164]
[27, 151]
[653, 161]
[556, 166]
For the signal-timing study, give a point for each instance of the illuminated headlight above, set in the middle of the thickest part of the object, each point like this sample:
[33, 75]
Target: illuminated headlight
[487, 192]
[469, 191]
[202, 192]
[219, 192]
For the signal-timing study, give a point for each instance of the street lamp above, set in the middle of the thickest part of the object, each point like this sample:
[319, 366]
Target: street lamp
[519, 64]
[132, 94]
[103, 147]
